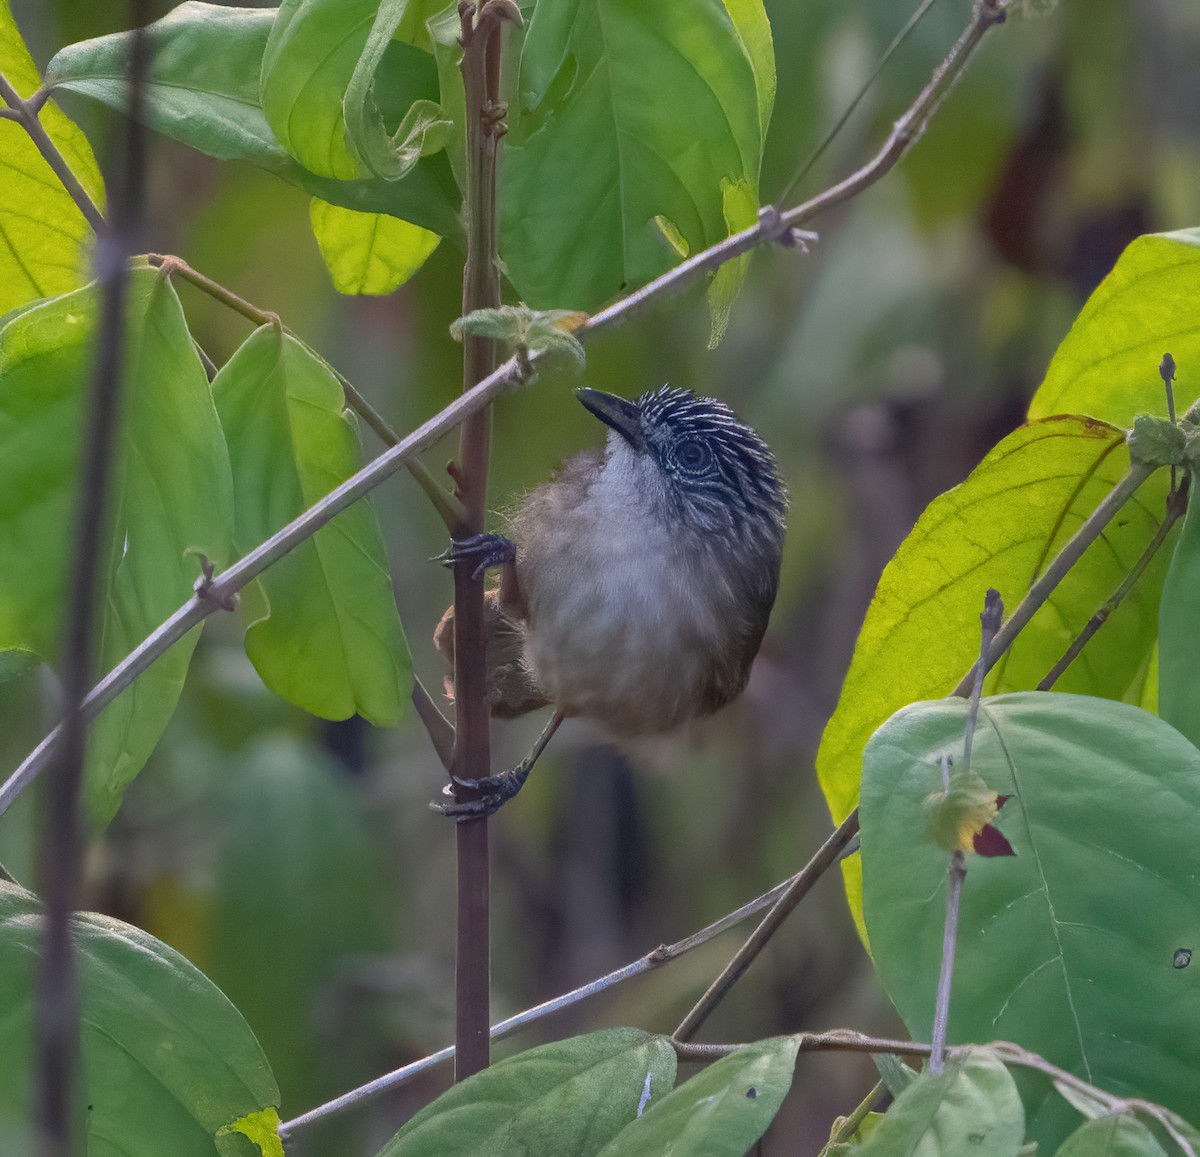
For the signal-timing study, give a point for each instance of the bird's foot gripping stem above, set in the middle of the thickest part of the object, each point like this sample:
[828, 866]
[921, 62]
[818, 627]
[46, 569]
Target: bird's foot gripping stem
[494, 790]
[487, 551]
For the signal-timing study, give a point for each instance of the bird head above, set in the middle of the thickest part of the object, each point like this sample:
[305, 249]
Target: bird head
[716, 475]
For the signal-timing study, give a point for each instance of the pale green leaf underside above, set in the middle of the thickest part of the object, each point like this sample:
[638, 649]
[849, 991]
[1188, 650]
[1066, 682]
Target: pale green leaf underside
[722, 1110]
[972, 1108]
[424, 128]
[1115, 1135]
[310, 55]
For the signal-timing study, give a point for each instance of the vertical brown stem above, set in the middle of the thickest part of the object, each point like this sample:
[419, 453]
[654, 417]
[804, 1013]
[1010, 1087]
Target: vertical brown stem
[472, 757]
[61, 844]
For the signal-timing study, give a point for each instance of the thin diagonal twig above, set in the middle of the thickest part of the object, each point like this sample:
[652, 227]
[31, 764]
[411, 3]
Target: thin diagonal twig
[848, 112]
[663, 954]
[1176, 505]
[799, 887]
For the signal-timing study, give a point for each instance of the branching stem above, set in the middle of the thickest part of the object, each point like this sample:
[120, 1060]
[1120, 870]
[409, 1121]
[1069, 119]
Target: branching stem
[956, 874]
[1066, 558]
[25, 113]
[1013, 1054]
[1176, 505]
[989, 625]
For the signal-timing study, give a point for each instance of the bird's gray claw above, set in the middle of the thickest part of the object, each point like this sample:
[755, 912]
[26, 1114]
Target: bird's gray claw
[487, 551]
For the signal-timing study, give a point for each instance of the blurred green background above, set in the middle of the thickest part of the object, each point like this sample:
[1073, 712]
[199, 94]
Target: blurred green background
[297, 862]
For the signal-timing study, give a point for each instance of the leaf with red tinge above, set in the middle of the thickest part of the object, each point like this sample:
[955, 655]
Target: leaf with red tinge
[990, 841]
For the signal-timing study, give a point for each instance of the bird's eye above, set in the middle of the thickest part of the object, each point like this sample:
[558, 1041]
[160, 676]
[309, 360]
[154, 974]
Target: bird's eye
[693, 456]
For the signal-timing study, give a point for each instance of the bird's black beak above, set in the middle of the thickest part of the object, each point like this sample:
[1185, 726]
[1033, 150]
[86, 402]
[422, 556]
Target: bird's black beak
[622, 416]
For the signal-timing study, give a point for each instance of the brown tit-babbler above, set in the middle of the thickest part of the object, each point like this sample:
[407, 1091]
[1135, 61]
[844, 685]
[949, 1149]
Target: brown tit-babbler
[637, 582]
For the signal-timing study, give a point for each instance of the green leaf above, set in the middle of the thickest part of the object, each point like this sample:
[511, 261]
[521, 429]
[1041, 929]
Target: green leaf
[323, 630]
[445, 31]
[1155, 441]
[44, 238]
[894, 1073]
[1178, 670]
[168, 1062]
[753, 29]
[1107, 366]
[568, 1097]
[368, 253]
[1085, 1103]
[739, 199]
[204, 91]
[1064, 947]
[835, 1148]
[318, 88]
[920, 635]
[1115, 1135]
[721, 1111]
[598, 147]
[310, 55]
[424, 127]
[172, 501]
[971, 1108]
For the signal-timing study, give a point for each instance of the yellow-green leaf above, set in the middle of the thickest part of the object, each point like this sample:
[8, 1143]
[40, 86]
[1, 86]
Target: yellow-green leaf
[43, 234]
[368, 253]
[1107, 366]
[262, 1128]
[753, 29]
